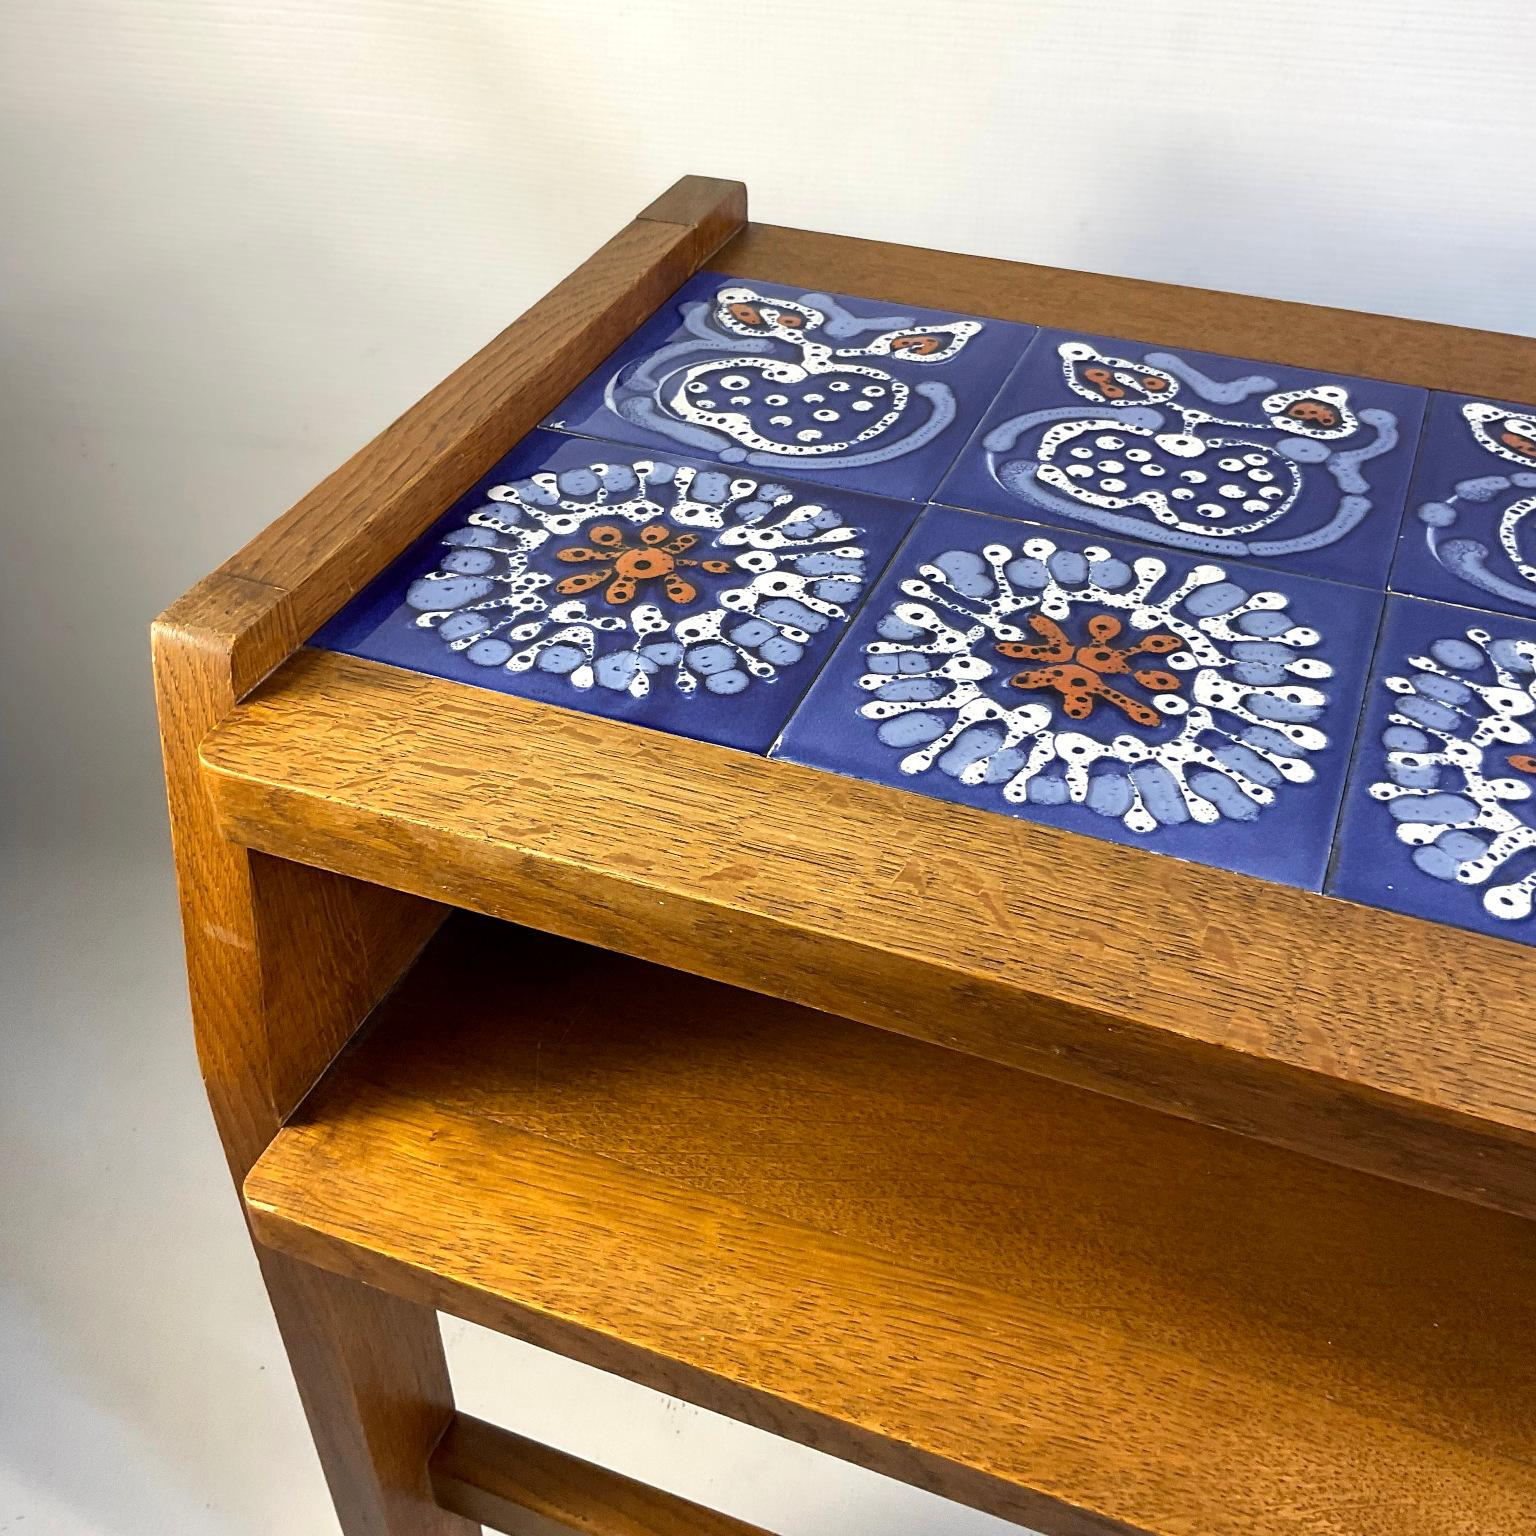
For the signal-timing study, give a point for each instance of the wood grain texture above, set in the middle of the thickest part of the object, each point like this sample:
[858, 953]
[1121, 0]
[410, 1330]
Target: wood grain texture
[1373, 1039]
[1270, 330]
[526, 1489]
[714, 210]
[1065, 1310]
[335, 539]
[283, 960]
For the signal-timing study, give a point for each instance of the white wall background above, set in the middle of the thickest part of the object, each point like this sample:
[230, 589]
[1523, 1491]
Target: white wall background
[236, 238]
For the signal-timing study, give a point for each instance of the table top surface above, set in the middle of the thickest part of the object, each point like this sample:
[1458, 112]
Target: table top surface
[1273, 619]
[957, 913]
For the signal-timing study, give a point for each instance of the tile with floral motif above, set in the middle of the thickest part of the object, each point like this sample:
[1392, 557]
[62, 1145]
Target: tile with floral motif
[1199, 709]
[1440, 817]
[1470, 533]
[689, 596]
[1205, 454]
[875, 397]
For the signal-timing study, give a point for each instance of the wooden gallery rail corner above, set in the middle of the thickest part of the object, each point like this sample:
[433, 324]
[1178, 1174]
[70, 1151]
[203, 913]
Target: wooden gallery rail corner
[1233, 1255]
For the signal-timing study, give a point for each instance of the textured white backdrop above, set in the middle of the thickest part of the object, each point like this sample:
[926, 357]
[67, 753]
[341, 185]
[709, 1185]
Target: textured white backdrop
[236, 238]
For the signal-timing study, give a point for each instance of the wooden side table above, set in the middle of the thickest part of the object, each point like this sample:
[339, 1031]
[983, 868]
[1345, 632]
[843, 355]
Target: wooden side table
[816, 1103]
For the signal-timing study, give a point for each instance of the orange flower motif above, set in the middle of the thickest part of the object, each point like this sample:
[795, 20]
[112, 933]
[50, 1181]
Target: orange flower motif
[1078, 673]
[1523, 763]
[625, 567]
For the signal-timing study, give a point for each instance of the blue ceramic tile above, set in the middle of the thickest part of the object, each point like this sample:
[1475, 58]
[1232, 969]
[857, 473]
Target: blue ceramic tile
[1470, 536]
[1205, 454]
[1114, 689]
[1440, 818]
[679, 595]
[819, 385]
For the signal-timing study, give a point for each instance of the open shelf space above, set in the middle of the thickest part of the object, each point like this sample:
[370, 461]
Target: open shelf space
[1375, 1040]
[839, 1234]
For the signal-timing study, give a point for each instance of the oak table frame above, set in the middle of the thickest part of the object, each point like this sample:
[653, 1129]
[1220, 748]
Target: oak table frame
[322, 830]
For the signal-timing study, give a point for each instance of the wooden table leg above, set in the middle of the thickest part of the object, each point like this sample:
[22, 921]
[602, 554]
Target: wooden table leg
[283, 962]
[371, 1374]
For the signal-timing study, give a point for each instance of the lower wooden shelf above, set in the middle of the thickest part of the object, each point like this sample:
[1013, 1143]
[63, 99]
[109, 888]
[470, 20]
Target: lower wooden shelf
[1061, 1308]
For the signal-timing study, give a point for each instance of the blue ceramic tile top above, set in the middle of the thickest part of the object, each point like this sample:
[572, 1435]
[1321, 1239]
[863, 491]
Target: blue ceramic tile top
[1128, 692]
[644, 587]
[1112, 620]
[1206, 454]
[1440, 818]
[820, 385]
[1470, 535]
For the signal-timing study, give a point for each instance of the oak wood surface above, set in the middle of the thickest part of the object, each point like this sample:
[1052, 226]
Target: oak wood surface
[340, 535]
[1370, 1038]
[283, 960]
[1270, 330]
[714, 210]
[516, 1485]
[1066, 1310]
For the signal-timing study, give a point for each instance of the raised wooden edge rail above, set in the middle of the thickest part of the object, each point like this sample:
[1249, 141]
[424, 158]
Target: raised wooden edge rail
[283, 961]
